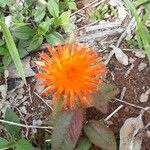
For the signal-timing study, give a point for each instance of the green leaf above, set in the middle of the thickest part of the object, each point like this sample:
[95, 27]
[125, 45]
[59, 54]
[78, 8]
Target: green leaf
[24, 32]
[6, 60]
[65, 17]
[145, 37]
[54, 38]
[11, 116]
[3, 50]
[10, 2]
[105, 93]
[39, 13]
[24, 43]
[22, 52]
[109, 91]
[24, 144]
[44, 26]
[132, 7]
[100, 135]
[53, 8]
[3, 3]
[3, 143]
[67, 129]
[72, 5]
[2, 17]
[13, 50]
[140, 2]
[2, 42]
[56, 22]
[84, 144]
[36, 42]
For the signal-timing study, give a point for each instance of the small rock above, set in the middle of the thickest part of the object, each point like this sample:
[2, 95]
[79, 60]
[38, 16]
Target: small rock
[37, 122]
[38, 88]
[21, 91]
[142, 66]
[109, 123]
[148, 133]
[116, 115]
[132, 60]
[23, 110]
[26, 64]
[127, 110]
[139, 54]
[144, 96]
[19, 96]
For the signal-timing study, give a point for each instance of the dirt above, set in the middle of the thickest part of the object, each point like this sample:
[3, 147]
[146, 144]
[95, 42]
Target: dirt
[136, 83]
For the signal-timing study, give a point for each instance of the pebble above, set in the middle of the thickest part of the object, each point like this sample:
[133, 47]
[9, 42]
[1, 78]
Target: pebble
[38, 88]
[19, 96]
[144, 97]
[37, 122]
[116, 115]
[139, 54]
[142, 66]
[21, 91]
[127, 109]
[23, 110]
[148, 133]
[109, 123]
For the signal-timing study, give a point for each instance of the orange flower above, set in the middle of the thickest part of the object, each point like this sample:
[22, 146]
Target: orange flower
[72, 71]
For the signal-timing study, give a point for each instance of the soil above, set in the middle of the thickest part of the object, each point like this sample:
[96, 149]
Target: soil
[136, 83]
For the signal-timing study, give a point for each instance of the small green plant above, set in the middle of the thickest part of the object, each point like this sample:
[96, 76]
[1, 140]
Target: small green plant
[34, 23]
[132, 43]
[142, 32]
[13, 137]
[103, 12]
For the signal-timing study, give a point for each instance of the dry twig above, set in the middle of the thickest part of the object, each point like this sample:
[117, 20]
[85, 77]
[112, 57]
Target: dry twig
[25, 126]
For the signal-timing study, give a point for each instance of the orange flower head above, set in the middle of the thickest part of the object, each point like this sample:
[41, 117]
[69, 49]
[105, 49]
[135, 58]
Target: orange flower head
[72, 71]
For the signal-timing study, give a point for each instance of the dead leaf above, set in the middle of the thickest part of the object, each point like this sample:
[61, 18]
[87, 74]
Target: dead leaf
[120, 56]
[128, 140]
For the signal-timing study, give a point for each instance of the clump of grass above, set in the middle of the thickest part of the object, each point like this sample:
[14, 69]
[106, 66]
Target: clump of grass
[142, 32]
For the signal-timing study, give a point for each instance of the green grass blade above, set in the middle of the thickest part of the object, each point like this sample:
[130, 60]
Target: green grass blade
[13, 50]
[145, 36]
[133, 10]
[140, 2]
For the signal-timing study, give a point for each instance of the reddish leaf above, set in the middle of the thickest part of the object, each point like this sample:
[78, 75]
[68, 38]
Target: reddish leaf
[76, 124]
[103, 96]
[100, 135]
[67, 129]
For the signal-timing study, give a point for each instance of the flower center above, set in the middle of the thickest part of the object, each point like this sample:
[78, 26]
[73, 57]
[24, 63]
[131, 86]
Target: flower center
[71, 72]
